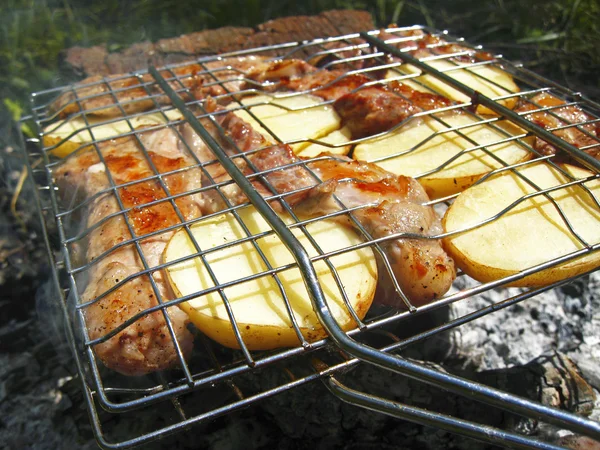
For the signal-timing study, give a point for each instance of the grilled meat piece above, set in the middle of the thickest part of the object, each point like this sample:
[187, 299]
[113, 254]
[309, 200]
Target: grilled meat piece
[567, 122]
[146, 345]
[106, 96]
[420, 44]
[282, 69]
[387, 204]
[329, 85]
[376, 109]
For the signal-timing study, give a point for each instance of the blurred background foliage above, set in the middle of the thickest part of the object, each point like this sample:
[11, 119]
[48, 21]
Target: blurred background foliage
[558, 38]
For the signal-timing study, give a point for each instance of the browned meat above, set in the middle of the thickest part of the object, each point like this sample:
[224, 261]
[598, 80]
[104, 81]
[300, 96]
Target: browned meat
[146, 345]
[274, 71]
[391, 205]
[388, 204]
[375, 109]
[421, 45]
[558, 117]
[328, 85]
[340, 55]
[102, 96]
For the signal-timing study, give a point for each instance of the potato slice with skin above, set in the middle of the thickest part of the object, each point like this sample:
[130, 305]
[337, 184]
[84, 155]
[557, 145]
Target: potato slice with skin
[414, 150]
[489, 80]
[290, 118]
[78, 133]
[529, 234]
[258, 305]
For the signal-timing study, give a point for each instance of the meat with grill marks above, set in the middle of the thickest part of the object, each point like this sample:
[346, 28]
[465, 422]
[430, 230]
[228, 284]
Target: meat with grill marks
[116, 262]
[386, 204]
[567, 122]
[117, 94]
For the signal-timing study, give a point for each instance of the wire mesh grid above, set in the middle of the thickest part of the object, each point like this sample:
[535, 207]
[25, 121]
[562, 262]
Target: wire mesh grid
[143, 197]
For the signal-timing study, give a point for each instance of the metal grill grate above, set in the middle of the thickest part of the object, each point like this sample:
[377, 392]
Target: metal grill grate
[215, 381]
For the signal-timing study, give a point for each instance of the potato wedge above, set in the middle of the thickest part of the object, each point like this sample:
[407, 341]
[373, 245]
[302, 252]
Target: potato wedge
[491, 81]
[531, 233]
[70, 134]
[290, 118]
[415, 149]
[258, 305]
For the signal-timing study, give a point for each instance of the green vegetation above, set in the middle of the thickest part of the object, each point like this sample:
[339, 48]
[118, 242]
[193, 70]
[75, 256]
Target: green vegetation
[559, 38]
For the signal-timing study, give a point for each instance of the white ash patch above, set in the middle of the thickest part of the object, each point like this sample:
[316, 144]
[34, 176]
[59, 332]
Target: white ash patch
[566, 319]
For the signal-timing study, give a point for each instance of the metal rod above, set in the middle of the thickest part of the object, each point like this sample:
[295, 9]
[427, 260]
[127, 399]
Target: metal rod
[422, 416]
[297, 250]
[478, 98]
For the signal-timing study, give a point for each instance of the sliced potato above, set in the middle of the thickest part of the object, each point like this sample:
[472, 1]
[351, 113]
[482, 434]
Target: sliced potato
[78, 133]
[258, 305]
[491, 81]
[415, 150]
[290, 118]
[531, 233]
[337, 137]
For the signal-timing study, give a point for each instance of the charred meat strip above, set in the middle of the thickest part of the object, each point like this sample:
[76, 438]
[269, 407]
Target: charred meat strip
[146, 345]
[569, 120]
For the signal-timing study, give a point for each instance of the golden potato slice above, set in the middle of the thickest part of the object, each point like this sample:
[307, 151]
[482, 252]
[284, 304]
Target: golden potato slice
[424, 146]
[258, 305]
[337, 137]
[491, 81]
[290, 118]
[530, 233]
[70, 134]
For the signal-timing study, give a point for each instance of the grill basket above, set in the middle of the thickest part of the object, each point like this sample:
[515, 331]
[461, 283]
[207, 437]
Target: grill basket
[216, 381]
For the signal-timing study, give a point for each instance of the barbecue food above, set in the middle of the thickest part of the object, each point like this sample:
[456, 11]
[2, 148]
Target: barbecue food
[66, 136]
[445, 162]
[530, 233]
[120, 280]
[117, 95]
[258, 305]
[472, 68]
[565, 122]
[387, 204]
[294, 119]
[373, 110]
[146, 345]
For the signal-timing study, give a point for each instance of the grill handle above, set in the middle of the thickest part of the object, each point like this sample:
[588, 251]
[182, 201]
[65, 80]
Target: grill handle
[425, 417]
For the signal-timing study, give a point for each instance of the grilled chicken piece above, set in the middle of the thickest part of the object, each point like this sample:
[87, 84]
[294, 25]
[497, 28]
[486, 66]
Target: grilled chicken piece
[329, 85]
[379, 108]
[571, 121]
[390, 205]
[146, 345]
[106, 96]
[387, 204]
[346, 55]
